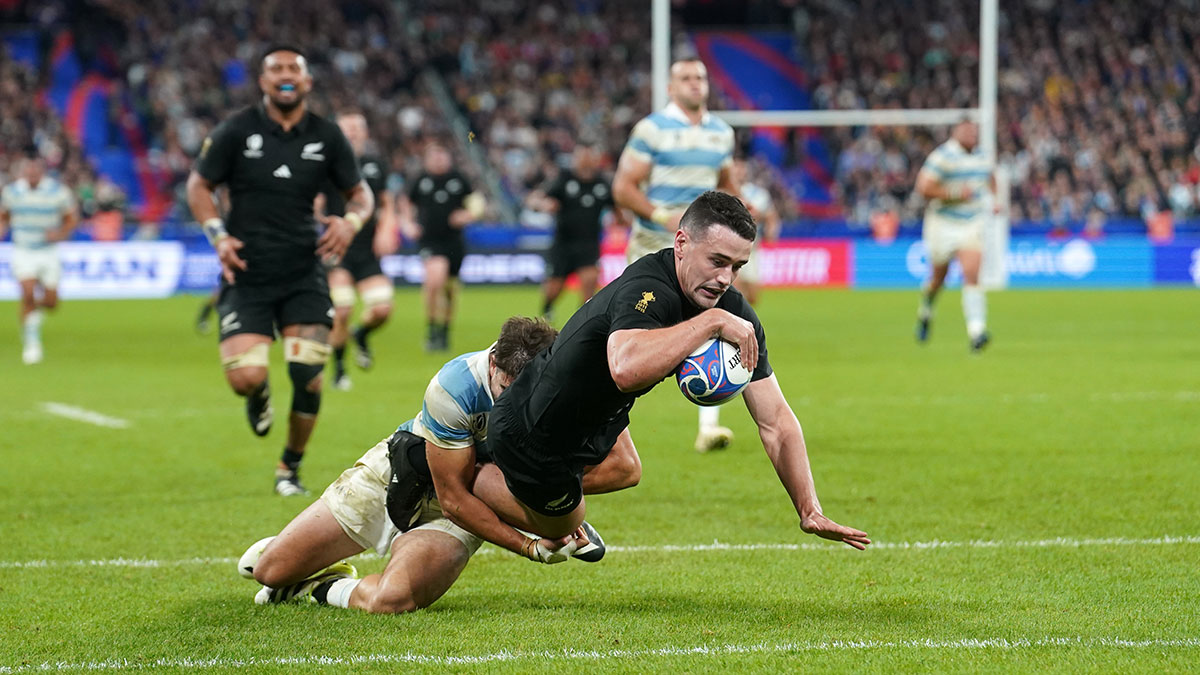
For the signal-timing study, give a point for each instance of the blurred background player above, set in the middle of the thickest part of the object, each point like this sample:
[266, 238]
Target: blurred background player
[954, 179]
[672, 157]
[41, 212]
[360, 267]
[579, 196]
[275, 157]
[445, 204]
[758, 200]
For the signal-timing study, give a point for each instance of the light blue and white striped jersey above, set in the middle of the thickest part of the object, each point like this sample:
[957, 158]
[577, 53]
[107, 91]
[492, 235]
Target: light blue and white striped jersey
[35, 211]
[955, 168]
[457, 401]
[685, 158]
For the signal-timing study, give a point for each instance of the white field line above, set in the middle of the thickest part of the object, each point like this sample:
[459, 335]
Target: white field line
[84, 415]
[716, 546]
[999, 644]
[1184, 396]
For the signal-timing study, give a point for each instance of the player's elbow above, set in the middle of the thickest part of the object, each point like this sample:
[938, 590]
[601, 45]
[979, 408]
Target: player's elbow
[623, 376]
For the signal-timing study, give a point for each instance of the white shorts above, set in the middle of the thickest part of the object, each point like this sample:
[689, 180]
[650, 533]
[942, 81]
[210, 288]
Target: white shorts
[944, 238]
[39, 264]
[643, 241]
[358, 501]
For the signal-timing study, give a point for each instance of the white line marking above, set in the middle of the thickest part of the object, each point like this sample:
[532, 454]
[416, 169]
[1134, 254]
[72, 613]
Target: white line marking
[84, 415]
[196, 663]
[716, 546]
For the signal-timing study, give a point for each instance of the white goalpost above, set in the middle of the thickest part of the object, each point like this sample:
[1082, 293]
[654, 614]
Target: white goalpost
[993, 273]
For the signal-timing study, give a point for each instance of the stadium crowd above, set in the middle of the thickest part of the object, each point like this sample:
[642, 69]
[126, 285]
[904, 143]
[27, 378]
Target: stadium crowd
[1099, 103]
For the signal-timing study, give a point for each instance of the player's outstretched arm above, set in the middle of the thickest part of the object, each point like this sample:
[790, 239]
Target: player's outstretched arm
[783, 441]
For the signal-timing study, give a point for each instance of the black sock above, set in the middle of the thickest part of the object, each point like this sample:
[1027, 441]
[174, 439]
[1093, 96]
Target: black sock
[291, 459]
[321, 592]
[339, 357]
[546, 307]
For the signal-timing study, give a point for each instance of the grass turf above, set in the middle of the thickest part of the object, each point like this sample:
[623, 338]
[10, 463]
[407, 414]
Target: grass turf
[1078, 423]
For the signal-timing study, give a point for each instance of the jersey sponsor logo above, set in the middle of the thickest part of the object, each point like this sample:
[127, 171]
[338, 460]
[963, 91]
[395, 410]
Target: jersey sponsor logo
[572, 188]
[370, 169]
[254, 143]
[454, 186]
[587, 201]
[425, 186]
[644, 303]
[282, 172]
[441, 197]
[312, 151]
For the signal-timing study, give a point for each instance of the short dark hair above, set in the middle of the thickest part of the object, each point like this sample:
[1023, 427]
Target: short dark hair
[282, 47]
[718, 208]
[521, 338]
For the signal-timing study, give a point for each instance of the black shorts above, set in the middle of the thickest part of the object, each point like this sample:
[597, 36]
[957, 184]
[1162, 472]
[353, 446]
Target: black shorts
[451, 248]
[563, 259]
[266, 309]
[547, 476]
[361, 263]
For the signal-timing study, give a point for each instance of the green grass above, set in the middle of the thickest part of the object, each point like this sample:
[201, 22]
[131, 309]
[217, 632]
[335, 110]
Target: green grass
[1079, 423]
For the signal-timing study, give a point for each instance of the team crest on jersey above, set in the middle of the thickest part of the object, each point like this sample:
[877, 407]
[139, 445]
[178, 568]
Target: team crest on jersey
[313, 151]
[254, 143]
[647, 298]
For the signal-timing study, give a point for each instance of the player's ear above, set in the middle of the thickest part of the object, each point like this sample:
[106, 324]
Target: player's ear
[681, 242]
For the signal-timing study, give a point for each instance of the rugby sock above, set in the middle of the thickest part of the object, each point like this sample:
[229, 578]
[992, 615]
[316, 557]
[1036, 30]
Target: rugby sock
[925, 309]
[291, 459]
[31, 331]
[339, 361]
[336, 592]
[710, 417]
[974, 304]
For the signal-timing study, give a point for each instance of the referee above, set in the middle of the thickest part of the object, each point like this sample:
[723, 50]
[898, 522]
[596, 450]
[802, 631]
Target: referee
[275, 157]
[579, 196]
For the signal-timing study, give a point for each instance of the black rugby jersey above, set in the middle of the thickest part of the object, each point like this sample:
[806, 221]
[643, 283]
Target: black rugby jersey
[435, 198]
[273, 177]
[374, 172]
[581, 202]
[566, 394]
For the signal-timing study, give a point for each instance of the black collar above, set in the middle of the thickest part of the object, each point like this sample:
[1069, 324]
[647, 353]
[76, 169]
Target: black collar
[276, 128]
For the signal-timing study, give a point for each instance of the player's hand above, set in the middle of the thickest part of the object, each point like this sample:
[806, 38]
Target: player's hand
[410, 230]
[460, 218]
[825, 528]
[735, 329]
[227, 252]
[336, 238]
[551, 551]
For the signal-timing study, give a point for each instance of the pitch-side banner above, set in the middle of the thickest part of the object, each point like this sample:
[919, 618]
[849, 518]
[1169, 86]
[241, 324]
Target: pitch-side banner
[1031, 263]
[809, 263]
[108, 270]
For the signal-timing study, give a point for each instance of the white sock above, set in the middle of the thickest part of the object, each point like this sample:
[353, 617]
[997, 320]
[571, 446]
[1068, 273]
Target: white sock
[32, 327]
[339, 592]
[710, 417]
[974, 304]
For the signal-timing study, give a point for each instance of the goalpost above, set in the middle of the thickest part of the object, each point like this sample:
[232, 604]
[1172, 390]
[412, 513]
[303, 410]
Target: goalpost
[993, 273]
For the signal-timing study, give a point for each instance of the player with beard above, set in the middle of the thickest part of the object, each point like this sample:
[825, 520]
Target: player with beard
[275, 157]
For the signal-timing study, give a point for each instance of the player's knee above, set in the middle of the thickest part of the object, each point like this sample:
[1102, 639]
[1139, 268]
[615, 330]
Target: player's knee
[275, 571]
[306, 361]
[393, 598]
[50, 301]
[629, 471]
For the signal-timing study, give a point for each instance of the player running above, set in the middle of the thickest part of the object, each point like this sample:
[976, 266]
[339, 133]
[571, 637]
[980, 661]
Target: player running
[275, 158]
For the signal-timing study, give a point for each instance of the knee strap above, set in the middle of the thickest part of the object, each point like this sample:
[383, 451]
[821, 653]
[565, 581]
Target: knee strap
[255, 356]
[378, 294]
[342, 296]
[306, 360]
[305, 350]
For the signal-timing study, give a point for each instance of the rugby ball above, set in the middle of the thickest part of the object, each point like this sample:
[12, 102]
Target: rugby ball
[713, 373]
